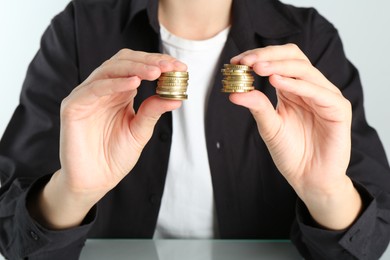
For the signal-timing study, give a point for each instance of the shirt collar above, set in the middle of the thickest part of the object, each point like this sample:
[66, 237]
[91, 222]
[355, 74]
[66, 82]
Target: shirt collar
[268, 18]
[138, 6]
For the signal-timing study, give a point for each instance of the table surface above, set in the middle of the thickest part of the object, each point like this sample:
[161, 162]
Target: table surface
[189, 249]
[192, 249]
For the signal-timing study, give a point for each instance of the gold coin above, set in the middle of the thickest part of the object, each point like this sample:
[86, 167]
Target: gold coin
[238, 87]
[236, 74]
[174, 97]
[178, 74]
[235, 77]
[235, 90]
[172, 83]
[164, 91]
[173, 87]
[229, 82]
[229, 71]
[171, 79]
[236, 70]
[176, 86]
[236, 67]
[237, 84]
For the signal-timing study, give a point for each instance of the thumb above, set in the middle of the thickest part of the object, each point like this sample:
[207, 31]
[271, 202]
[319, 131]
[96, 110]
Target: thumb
[150, 111]
[267, 119]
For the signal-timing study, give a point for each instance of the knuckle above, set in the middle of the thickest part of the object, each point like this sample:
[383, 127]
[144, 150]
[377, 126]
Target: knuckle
[260, 54]
[124, 52]
[65, 107]
[154, 58]
[308, 65]
[347, 104]
[149, 57]
[293, 46]
[166, 57]
[347, 110]
[106, 63]
[100, 70]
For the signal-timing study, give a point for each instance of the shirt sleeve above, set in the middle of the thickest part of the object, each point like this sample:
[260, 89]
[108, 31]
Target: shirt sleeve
[33, 240]
[369, 236]
[29, 147]
[357, 242]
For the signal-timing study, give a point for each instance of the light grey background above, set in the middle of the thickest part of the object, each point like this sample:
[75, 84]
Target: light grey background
[363, 25]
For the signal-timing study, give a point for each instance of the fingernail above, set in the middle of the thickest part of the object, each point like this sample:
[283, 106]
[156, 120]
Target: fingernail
[163, 63]
[236, 58]
[151, 67]
[180, 65]
[249, 59]
[264, 64]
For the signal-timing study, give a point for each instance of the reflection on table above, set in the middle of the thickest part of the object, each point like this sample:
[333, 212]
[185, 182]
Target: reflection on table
[188, 249]
[115, 249]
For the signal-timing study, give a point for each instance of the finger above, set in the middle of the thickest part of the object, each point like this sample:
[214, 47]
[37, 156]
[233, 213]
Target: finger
[267, 119]
[124, 69]
[88, 94]
[163, 61]
[142, 57]
[270, 53]
[141, 127]
[176, 65]
[297, 69]
[328, 104]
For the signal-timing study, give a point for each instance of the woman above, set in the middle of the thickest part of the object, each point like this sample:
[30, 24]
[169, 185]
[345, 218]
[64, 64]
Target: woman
[296, 155]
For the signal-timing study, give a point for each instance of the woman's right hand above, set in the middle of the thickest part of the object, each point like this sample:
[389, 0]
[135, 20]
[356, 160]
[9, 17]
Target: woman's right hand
[101, 136]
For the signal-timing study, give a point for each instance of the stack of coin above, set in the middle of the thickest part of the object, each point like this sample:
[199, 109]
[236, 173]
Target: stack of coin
[173, 85]
[237, 78]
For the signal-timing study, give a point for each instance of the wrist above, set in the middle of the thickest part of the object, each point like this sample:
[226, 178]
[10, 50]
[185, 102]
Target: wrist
[336, 208]
[56, 207]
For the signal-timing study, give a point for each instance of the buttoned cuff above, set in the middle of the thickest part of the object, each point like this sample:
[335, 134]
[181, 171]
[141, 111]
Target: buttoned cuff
[35, 239]
[355, 241]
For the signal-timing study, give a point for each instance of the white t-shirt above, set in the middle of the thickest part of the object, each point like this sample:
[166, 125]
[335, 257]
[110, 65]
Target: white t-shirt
[187, 208]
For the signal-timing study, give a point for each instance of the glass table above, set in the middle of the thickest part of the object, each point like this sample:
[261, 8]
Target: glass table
[188, 249]
[119, 249]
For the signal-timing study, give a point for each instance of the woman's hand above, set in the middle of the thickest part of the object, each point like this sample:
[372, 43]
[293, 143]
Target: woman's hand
[101, 136]
[309, 132]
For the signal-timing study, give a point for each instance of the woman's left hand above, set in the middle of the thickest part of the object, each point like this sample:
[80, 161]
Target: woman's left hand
[309, 132]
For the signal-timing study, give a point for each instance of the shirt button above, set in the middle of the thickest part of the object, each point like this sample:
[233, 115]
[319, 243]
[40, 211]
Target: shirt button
[218, 145]
[34, 235]
[352, 237]
[164, 137]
